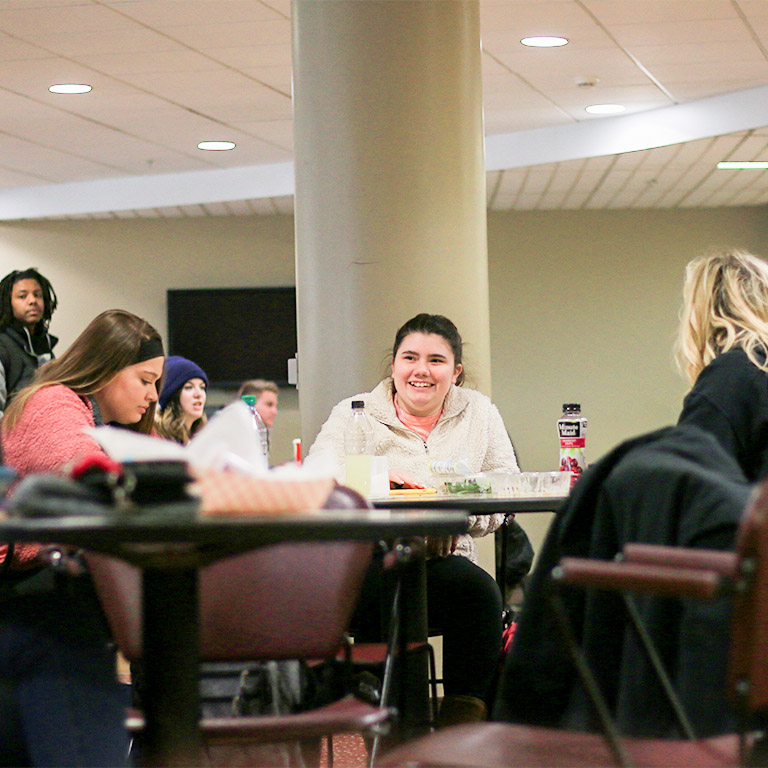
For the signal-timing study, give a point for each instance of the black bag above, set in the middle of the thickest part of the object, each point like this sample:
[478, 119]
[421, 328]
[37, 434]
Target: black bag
[519, 554]
[141, 482]
[276, 688]
[97, 491]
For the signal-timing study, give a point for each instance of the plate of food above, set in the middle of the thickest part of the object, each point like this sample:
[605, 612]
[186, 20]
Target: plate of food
[411, 491]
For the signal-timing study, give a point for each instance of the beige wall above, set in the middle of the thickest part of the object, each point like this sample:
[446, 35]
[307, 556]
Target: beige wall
[584, 309]
[583, 303]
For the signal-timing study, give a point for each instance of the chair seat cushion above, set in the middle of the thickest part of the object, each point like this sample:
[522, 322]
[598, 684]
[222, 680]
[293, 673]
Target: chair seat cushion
[345, 715]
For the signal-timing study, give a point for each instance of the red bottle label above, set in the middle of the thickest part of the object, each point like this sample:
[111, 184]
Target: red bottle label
[573, 457]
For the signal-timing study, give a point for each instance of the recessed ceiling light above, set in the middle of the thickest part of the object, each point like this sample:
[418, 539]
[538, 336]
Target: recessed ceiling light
[216, 146]
[70, 88]
[604, 109]
[742, 164]
[544, 41]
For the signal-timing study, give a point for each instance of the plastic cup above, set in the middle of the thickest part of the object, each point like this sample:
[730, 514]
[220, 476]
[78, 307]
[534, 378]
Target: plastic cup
[503, 483]
[555, 483]
[530, 484]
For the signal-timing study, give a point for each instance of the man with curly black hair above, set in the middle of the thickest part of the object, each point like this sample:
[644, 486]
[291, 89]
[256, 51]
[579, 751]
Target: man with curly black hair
[27, 301]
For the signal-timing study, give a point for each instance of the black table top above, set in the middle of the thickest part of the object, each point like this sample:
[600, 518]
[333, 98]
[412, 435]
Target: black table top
[474, 503]
[172, 541]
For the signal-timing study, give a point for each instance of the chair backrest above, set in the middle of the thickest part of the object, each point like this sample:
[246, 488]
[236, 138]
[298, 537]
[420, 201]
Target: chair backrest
[748, 671]
[283, 601]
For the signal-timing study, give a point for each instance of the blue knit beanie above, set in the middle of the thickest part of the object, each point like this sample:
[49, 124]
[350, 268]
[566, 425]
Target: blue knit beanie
[178, 371]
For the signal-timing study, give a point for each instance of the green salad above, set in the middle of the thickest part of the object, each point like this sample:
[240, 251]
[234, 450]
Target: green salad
[466, 486]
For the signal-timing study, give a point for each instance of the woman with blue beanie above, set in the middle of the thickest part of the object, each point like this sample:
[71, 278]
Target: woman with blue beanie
[182, 401]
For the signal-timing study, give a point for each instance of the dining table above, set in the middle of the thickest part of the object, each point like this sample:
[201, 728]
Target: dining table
[473, 503]
[477, 504]
[169, 548]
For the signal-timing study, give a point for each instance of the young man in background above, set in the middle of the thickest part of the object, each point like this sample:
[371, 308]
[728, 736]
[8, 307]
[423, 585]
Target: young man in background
[266, 398]
[27, 302]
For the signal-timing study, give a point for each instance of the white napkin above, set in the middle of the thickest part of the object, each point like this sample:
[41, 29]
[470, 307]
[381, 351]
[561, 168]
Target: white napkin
[228, 441]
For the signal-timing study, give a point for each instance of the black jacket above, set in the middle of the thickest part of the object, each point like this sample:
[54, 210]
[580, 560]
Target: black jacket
[730, 401]
[674, 486]
[21, 353]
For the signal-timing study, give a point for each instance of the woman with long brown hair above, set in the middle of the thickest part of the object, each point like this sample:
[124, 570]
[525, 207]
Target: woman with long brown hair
[60, 703]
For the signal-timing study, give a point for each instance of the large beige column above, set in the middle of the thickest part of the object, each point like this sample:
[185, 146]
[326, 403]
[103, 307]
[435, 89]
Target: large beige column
[390, 187]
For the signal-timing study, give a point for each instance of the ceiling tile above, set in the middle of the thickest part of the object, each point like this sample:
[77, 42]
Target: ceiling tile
[279, 77]
[60, 19]
[169, 73]
[279, 133]
[13, 49]
[251, 56]
[514, 118]
[15, 178]
[614, 14]
[176, 60]
[674, 33]
[80, 43]
[232, 35]
[691, 72]
[687, 53]
[200, 13]
[47, 164]
[584, 36]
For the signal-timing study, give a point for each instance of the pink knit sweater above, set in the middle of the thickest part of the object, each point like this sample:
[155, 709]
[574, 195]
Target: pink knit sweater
[47, 438]
[49, 435]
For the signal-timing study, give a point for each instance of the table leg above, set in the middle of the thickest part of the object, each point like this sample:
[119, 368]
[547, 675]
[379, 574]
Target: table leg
[501, 551]
[170, 645]
[414, 705]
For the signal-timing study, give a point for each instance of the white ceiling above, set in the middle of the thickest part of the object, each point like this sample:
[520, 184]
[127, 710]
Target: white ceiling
[167, 74]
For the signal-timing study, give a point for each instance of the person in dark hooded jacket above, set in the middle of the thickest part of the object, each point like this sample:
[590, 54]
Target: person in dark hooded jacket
[27, 302]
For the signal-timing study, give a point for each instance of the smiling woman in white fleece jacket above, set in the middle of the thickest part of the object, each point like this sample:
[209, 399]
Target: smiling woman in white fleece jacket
[470, 428]
[421, 414]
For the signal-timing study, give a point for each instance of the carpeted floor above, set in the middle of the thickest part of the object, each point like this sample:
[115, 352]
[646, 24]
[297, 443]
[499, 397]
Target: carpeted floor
[348, 752]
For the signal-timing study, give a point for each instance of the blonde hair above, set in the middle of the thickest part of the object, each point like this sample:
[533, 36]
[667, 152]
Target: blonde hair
[110, 342]
[169, 422]
[725, 305]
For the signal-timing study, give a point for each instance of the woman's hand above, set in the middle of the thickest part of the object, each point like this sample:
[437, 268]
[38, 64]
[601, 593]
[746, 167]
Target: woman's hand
[398, 479]
[440, 546]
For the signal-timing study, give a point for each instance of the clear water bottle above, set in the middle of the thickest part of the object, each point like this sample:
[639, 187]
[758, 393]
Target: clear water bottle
[447, 467]
[259, 427]
[572, 431]
[358, 450]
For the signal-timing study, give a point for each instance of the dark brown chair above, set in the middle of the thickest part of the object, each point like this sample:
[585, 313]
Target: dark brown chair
[286, 601]
[658, 570]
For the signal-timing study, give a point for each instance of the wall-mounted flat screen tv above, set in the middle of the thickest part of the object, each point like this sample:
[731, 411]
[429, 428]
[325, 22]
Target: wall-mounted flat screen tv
[234, 334]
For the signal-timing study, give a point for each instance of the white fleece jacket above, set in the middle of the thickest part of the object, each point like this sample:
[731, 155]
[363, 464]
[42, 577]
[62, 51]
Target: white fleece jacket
[470, 428]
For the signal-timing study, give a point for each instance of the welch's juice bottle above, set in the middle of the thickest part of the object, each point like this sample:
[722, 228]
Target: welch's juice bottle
[572, 431]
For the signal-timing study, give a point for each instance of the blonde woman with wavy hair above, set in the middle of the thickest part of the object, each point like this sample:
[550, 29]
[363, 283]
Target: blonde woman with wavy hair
[722, 349]
[725, 305]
